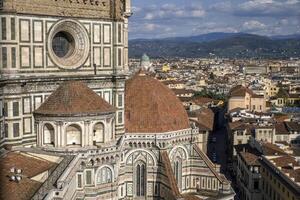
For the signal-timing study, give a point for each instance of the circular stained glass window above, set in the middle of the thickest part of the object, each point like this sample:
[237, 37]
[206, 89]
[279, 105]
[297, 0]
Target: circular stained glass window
[68, 44]
[63, 44]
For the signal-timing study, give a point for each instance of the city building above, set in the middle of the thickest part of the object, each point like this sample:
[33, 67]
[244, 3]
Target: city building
[75, 126]
[242, 97]
[280, 177]
[248, 173]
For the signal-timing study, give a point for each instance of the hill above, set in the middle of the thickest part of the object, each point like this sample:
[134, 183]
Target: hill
[229, 45]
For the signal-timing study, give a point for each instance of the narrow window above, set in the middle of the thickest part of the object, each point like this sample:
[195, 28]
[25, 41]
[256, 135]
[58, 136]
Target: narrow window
[6, 130]
[5, 109]
[119, 57]
[178, 171]
[4, 57]
[79, 181]
[13, 57]
[141, 180]
[15, 109]
[120, 100]
[88, 177]
[16, 129]
[13, 28]
[119, 33]
[120, 117]
[138, 180]
[3, 22]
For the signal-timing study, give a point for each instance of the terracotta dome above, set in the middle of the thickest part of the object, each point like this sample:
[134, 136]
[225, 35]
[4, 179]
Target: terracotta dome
[151, 107]
[74, 98]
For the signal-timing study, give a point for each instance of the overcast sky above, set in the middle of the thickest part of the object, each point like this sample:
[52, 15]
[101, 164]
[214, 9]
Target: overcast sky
[168, 18]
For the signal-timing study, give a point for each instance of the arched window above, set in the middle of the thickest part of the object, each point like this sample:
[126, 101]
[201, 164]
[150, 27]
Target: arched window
[104, 175]
[99, 133]
[141, 179]
[48, 134]
[178, 171]
[73, 135]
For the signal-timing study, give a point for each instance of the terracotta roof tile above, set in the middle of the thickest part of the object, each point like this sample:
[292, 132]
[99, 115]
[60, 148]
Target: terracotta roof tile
[239, 91]
[74, 98]
[151, 107]
[250, 158]
[30, 167]
[281, 129]
[272, 149]
[205, 118]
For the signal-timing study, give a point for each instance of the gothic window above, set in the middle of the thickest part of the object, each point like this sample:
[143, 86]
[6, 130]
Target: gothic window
[104, 175]
[178, 171]
[141, 179]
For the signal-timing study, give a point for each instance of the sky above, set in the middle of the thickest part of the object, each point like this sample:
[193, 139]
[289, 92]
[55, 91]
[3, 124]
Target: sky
[172, 18]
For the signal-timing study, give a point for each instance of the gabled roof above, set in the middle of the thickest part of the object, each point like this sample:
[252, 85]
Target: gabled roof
[240, 91]
[281, 129]
[74, 98]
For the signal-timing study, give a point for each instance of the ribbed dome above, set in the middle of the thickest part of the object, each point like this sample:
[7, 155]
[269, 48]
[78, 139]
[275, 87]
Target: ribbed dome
[74, 98]
[151, 107]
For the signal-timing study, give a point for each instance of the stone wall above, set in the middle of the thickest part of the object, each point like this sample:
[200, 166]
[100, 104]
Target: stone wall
[75, 8]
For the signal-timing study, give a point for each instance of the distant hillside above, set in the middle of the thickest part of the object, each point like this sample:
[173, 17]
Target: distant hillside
[229, 45]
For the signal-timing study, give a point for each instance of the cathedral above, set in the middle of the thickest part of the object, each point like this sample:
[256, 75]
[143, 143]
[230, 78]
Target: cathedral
[68, 104]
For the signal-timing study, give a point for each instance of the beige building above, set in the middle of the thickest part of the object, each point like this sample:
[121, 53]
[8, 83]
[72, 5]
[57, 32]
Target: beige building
[78, 126]
[248, 173]
[280, 176]
[242, 97]
[270, 88]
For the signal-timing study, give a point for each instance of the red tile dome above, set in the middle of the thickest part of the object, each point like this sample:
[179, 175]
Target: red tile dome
[151, 107]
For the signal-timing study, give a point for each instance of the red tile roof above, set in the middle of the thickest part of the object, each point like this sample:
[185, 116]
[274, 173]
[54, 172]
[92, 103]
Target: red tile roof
[205, 118]
[281, 129]
[239, 91]
[74, 98]
[151, 107]
[30, 167]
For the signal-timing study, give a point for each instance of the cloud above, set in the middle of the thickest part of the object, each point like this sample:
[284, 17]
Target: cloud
[167, 18]
[225, 7]
[271, 8]
[210, 27]
[169, 11]
[253, 25]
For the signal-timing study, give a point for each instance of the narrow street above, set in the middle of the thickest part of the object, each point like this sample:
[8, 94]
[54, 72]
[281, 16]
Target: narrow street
[217, 146]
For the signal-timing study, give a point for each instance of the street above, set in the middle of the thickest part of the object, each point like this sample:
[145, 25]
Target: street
[217, 145]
